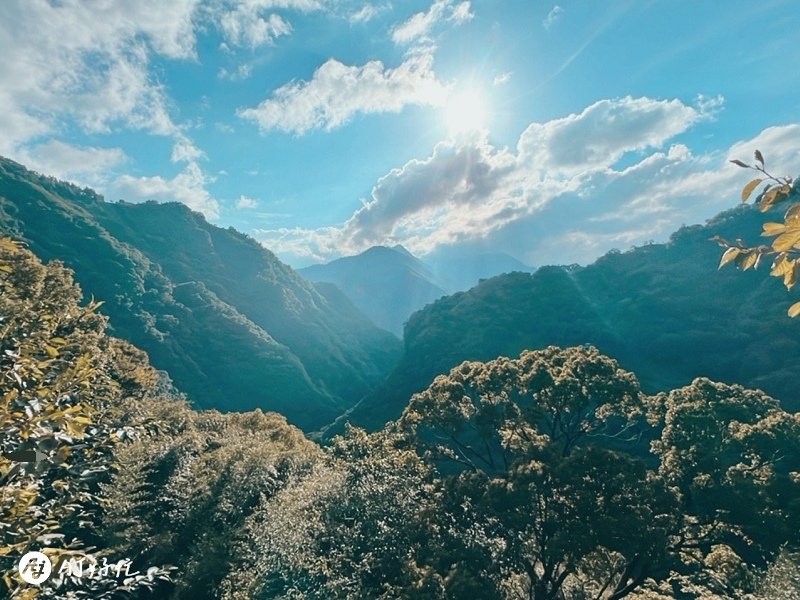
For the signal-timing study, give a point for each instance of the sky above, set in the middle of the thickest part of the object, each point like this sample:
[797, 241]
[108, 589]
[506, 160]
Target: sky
[551, 131]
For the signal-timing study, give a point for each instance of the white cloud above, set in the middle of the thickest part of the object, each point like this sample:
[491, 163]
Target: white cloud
[502, 79]
[558, 197]
[184, 150]
[251, 23]
[419, 26]
[66, 161]
[244, 203]
[602, 133]
[553, 16]
[240, 73]
[88, 63]
[337, 92]
[462, 13]
[365, 13]
[187, 187]
[242, 27]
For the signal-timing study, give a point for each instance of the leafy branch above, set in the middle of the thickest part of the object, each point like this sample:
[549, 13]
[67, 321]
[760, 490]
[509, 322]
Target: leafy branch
[785, 247]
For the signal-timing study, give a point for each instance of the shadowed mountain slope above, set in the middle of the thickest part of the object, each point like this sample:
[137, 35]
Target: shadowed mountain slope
[663, 310]
[234, 327]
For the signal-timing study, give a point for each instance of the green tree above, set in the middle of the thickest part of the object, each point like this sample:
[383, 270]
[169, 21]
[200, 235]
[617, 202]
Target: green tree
[546, 477]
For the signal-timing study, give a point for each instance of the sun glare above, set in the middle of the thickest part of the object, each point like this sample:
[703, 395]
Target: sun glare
[465, 112]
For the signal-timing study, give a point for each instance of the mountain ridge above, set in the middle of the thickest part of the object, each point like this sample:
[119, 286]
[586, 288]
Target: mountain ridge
[235, 328]
[663, 310]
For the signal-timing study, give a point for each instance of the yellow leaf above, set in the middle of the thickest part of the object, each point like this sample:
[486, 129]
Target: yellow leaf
[793, 214]
[786, 268]
[787, 240]
[729, 255]
[748, 189]
[794, 310]
[749, 260]
[773, 229]
[51, 352]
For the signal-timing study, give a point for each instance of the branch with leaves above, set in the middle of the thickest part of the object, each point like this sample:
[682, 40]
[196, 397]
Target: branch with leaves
[785, 247]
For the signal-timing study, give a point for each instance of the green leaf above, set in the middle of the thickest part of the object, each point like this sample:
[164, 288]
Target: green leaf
[739, 163]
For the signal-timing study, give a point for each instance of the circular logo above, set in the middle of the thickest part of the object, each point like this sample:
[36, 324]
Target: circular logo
[34, 568]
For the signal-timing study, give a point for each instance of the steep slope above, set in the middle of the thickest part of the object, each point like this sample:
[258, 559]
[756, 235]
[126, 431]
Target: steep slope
[663, 310]
[386, 284]
[235, 328]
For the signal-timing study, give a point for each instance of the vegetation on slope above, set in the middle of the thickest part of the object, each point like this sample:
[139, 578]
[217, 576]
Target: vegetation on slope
[662, 310]
[547, 477]
[127, 469]
[235, 328]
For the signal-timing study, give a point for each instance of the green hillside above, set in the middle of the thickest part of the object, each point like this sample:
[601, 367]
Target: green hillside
[235, 328]
[663, 310]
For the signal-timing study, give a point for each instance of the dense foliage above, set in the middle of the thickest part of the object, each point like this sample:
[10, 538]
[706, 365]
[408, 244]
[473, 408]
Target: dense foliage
[67, 393]
[547, 477]
[662, 310]
[235, 328]
[127, 469]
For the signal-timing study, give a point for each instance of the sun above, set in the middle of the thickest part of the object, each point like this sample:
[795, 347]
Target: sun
[465, 112]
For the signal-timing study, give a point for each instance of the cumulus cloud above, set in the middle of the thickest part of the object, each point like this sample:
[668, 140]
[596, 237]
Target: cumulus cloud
[553, 16]
[188, 187]
[244, 203]
[603, 132]
[419, 26]
[560, 196]
[424, 193]
[67, 161]
[97, 75]
[337, 92]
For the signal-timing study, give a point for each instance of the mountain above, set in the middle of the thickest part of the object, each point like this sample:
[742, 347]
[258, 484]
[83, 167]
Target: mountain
[663, 310]
[389, 284]
[458, 272]
[386, 284]
[235, 328]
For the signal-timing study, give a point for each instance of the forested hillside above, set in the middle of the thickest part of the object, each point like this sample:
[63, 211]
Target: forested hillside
[550, 475]
[663, 310]
[235, 328]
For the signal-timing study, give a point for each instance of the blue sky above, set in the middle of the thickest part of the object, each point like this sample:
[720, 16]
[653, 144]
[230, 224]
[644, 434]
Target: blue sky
[553, 131]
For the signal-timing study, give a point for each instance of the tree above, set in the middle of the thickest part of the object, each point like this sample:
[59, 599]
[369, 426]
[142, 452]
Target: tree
[784, 250]
[64, 386]
[353, 526]
[546, 477]
[543, 488]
